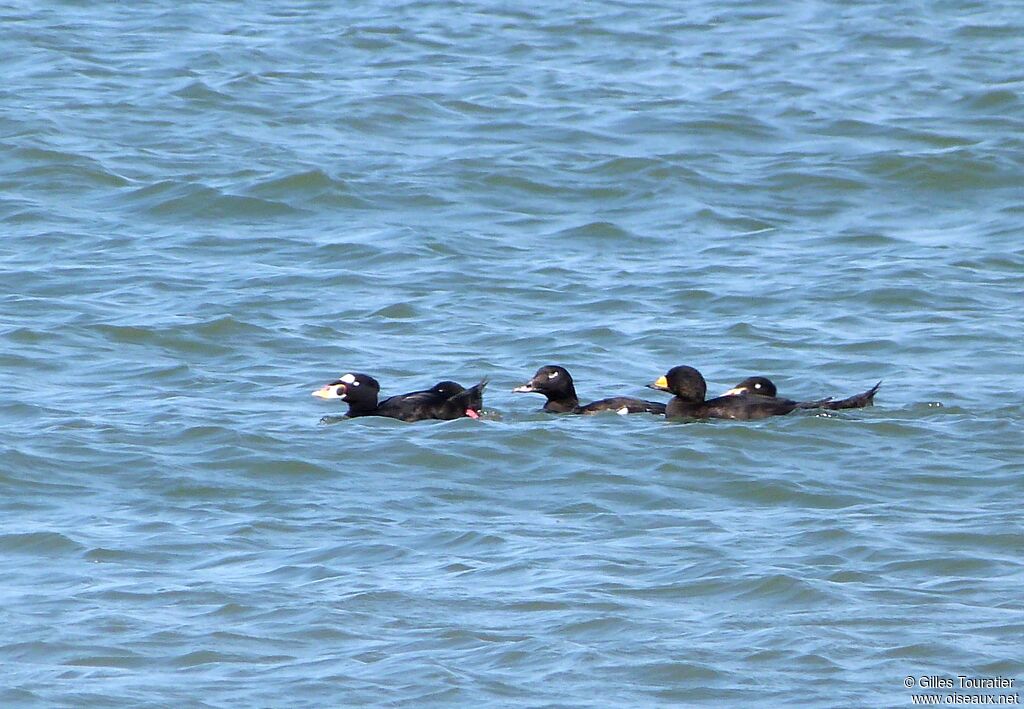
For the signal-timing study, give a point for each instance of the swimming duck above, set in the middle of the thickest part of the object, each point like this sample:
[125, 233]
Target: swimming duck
[689, 389]
[445, 400]
[762, 386]
[556, 384]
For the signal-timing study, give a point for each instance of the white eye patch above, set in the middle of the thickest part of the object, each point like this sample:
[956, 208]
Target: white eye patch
[349, 379]
[758, 385]
[553, 375]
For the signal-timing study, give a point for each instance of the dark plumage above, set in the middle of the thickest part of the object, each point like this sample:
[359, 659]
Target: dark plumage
[689, 389]
[445, 400]
[556, 384]
[762, 386]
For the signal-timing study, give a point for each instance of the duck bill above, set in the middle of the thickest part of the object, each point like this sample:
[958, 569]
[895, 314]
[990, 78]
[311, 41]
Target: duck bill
[524, 389]
[328, 391]
[471, 413]
[661, 384]
[735, 391]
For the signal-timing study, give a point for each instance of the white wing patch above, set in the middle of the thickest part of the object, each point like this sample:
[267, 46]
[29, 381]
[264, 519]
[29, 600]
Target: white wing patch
[623, 411]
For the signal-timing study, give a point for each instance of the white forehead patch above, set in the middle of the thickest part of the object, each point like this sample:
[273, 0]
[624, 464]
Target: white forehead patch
[349, 379]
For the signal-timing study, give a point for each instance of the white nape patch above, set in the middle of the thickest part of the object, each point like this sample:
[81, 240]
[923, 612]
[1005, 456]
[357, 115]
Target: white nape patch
[349, 378]
[553, 375]
[623, 411]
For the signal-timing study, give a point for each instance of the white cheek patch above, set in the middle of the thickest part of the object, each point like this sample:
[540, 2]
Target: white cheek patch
[349, 379]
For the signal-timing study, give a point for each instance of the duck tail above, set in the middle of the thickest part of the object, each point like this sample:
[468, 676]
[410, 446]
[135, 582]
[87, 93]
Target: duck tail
[471, 400]
[857, 401]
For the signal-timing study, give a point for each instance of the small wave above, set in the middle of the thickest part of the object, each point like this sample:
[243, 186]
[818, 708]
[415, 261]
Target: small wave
[41, 543]
[197, 201]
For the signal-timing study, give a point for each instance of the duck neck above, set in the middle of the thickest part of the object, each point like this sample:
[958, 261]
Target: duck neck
[563, 401]
[361, 408]
[680, 407]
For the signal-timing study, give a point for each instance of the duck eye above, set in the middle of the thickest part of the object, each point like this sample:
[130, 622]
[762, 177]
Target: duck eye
[758, 385]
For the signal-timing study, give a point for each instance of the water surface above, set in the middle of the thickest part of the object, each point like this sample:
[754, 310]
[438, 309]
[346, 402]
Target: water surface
[209, 211]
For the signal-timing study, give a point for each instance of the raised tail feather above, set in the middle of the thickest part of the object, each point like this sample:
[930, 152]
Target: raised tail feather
[472, 398]
[855, 402]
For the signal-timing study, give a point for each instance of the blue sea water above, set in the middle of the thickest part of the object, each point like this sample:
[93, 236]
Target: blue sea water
[209, 210]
